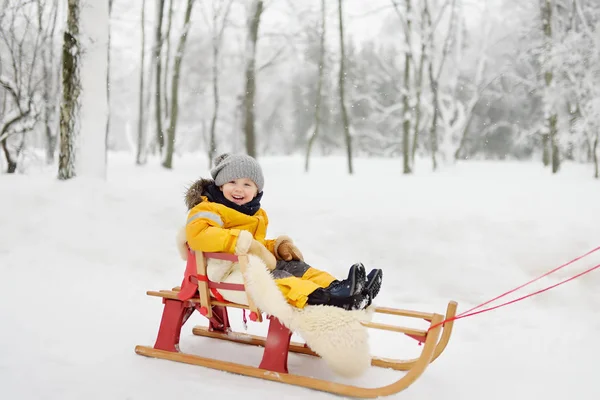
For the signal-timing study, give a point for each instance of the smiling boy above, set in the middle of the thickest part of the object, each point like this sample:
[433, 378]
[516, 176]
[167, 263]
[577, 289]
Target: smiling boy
[225, 216]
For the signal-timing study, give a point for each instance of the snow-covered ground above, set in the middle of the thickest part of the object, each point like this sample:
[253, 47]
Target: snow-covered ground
[77, 257]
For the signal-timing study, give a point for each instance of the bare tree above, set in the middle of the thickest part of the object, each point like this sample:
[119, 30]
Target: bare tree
[255, 13]
[168, 162]
[158, 42]
[220, 11]
[319, 96]
[20, 86]
[110, 4]
[408, 60]
[48, 68]
[167, 43]
[71, 88]
[549, 139]
[341, 83]
[434, 78]
[84, 107]
[139, 158]
[419, 74]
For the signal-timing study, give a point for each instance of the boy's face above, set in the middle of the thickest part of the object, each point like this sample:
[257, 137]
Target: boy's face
[240, 191]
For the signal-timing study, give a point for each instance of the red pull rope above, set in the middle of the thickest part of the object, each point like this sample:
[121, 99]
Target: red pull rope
[472, 311]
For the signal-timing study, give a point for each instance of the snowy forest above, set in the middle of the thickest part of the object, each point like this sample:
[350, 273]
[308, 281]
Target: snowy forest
[426, 82]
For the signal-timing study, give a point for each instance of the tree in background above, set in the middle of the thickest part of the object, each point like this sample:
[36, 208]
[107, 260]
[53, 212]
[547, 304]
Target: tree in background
[22, 87]
[220, 13]
[254, 13]
[84, 105]
[342, 82]
[168, 161]
[319, 94]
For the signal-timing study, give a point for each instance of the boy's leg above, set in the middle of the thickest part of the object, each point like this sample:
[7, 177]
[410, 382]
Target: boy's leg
[353, 284]
[302, 270]
[300, 292]
[295, 289]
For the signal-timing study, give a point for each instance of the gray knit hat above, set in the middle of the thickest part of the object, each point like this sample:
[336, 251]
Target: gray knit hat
[235, 166]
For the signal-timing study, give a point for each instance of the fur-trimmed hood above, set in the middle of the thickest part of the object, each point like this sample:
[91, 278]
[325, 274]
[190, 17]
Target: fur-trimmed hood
[193, 194]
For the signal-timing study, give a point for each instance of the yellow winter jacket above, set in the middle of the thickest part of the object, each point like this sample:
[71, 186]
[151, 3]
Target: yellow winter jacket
[213, 227]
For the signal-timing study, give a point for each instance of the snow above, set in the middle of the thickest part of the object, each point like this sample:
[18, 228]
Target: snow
[76, 258]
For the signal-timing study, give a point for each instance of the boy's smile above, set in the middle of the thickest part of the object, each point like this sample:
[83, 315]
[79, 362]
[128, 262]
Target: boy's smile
[240, 191]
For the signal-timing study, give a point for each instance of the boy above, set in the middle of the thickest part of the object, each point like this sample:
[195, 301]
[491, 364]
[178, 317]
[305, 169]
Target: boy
[225, 216]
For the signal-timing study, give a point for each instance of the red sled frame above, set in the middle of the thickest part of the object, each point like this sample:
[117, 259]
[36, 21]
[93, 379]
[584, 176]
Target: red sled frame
[195, 294]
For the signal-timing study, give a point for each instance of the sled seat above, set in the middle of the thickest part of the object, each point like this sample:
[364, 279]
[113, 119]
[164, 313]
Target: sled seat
[196, 281]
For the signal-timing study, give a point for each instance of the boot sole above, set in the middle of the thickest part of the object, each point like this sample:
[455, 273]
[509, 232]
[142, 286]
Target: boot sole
[359, 279]
[374, 284]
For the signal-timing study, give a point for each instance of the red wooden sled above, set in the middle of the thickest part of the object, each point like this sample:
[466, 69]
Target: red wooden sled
[195, 294]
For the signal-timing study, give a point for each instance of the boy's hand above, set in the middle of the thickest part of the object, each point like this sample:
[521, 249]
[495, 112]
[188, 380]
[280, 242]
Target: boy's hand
[288, 252]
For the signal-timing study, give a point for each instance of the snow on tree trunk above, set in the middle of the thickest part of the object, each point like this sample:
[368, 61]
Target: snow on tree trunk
[94, 99]
[84, 107]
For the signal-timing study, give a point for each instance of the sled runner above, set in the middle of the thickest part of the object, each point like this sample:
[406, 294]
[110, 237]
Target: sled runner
[195, 294]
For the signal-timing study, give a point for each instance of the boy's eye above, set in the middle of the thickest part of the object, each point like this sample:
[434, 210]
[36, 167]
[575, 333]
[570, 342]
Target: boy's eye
[247, 184]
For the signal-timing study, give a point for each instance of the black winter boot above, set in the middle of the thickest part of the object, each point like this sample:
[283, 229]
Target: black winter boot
[373, 285]
[353, 284]
[349, 294]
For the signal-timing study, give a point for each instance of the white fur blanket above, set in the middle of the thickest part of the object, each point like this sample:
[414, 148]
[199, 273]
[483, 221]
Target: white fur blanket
[335, 334]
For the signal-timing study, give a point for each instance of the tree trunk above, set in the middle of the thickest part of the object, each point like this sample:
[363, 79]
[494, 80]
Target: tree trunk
[595, 157]
[433, 132]
[139, 158]
[212, 147]
[167, 58]
[158, 61]
[550, 151]
[406, 150]
[217, 35]
[168, 162]
[110, 4]
[71, 82]
[463, 138]
[318, 100]
[12, 164]
[91, 143]
[554, 143]
[341, 83]
[47, 54]
[253, 24]
[415, 140]
[546, 151]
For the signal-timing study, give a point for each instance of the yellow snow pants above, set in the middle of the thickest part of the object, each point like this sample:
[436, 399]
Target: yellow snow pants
[297, 280]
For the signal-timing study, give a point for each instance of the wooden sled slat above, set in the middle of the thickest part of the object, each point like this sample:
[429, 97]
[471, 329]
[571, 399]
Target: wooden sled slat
[404, 313]
[297, 347]
[313, 383]
[169, 294]
[393, 328]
